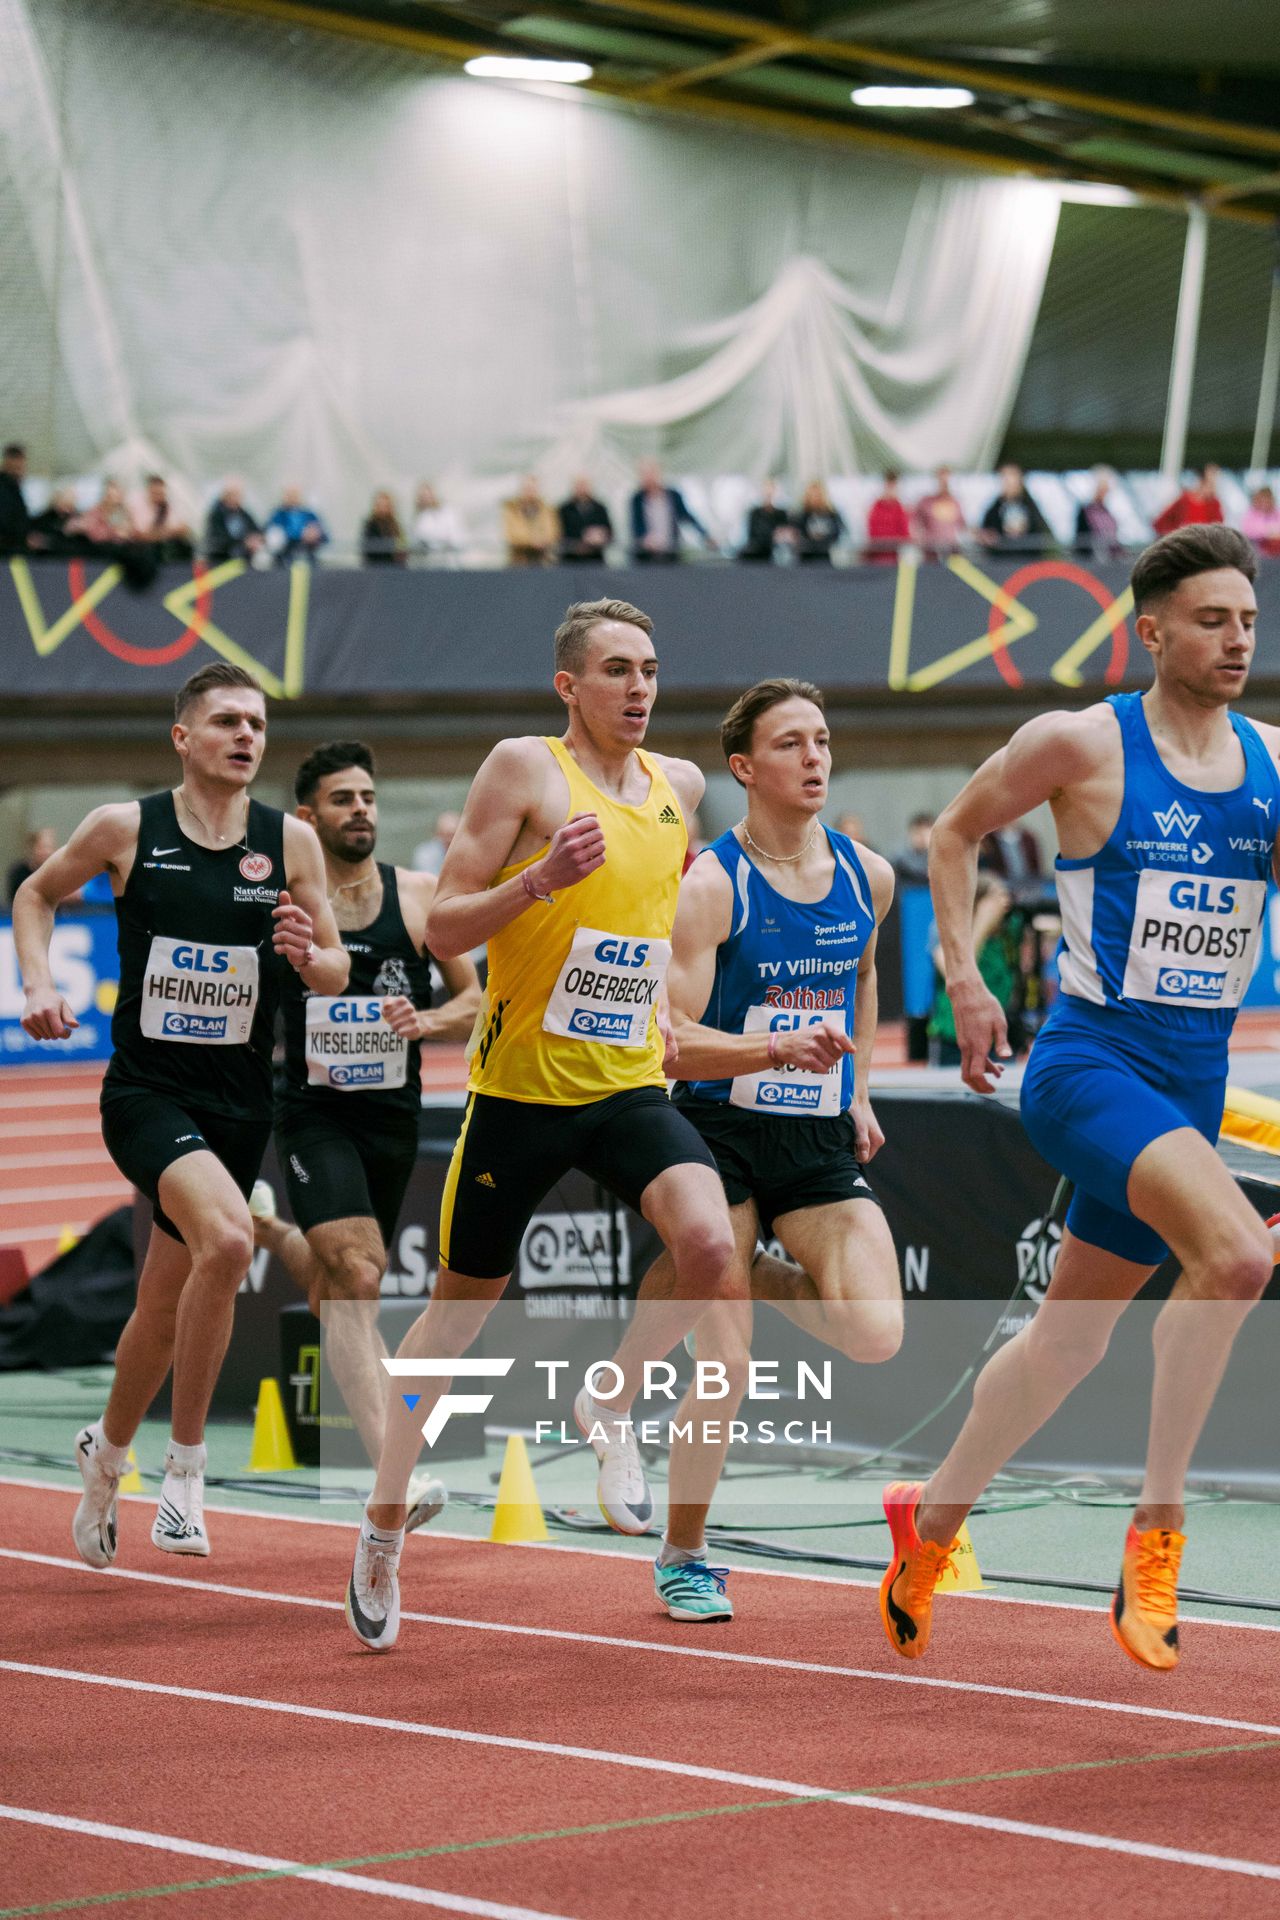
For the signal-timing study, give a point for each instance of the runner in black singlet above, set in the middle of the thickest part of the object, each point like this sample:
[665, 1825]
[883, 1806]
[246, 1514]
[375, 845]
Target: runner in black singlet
[214, 894]
[348, 1096]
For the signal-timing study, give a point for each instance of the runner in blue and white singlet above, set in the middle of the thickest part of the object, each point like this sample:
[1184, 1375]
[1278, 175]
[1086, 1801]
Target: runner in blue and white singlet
[1166, 806]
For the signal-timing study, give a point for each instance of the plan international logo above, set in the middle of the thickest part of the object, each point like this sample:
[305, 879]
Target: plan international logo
[1174, 820]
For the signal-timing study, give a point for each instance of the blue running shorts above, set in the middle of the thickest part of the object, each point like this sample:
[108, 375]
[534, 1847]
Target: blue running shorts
[1091, 1102]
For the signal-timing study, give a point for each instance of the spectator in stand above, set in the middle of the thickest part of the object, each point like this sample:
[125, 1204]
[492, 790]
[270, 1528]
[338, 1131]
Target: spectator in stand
[50, 530]
[1261, 523]
[428, 857]
[437, 530]
[231, 532]
[816, 526]
[1013, 855]
[1197, 506]
[657, 514]
[108, 523]
[40, 845]
[15, 520]
[295, 531]
[911, 863]
[381, 536]
[888, 525]
[1013, 523]
[997, 932]
[939, 521]
[767, 524]
[530, 526]
[156, 521]
[1097, 533]
[585, 526]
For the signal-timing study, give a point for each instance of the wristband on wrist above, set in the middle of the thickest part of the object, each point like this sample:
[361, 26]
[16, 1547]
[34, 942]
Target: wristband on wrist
[307, 957]
[526, 881]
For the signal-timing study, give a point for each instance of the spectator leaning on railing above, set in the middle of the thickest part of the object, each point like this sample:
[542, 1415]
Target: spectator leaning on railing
[1013, 523]
[156, 521]
[530, 527]
[15, 520]
[888, 525]
[231, 532]
[585, 526]
[1097, 533]
[1197, 506]
[816, 526]
[767, 524]
[295, 531]
[51, 533]
[939, 522]
[657, 514]
[108, 522]
[381, 536]
[437, 529]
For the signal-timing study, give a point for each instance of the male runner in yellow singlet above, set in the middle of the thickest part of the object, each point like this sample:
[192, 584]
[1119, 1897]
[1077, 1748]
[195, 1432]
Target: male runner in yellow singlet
[567, 862]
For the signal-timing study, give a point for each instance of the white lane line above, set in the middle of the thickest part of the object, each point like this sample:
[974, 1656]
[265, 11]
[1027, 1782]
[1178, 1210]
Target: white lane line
[681, 1769]
[49, 1129]
[625, 1554]
[32, 1237]
[235, 1857]
[906, 1678]
[18, 1100]
[25, 1162]
[80, 1190]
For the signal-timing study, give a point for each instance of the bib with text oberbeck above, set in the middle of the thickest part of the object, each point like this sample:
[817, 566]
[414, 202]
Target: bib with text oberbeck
[349, 1045]
[199, 994]
[607, 989]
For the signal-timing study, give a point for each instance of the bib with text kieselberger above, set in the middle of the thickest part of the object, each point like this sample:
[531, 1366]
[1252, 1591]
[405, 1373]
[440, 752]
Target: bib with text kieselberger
[788, 964]
[568, 1015]
[1165, 920]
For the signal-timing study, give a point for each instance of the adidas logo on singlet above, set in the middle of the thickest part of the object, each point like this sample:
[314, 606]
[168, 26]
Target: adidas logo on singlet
[669, 817]
[485, 1180]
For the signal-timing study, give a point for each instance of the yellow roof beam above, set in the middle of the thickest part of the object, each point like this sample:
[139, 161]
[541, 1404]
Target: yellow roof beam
[757, 54]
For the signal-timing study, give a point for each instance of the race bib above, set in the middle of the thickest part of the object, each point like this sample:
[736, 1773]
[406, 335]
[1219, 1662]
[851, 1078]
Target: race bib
[198, 993]
[350, 1047]
[1194, 941]
[788, 1089]
[607, 989]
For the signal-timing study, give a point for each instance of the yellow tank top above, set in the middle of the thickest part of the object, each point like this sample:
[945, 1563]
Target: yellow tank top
[568, 1012]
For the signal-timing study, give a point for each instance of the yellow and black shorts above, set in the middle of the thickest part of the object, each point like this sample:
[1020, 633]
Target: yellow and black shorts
[512, 1152]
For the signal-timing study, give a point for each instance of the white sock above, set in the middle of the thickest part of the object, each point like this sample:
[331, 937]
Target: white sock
[114, 1459]
[380, 1536]
[179, 1459]
[670, 1556]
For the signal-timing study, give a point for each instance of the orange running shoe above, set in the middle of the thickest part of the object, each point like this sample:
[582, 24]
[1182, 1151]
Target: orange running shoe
[1144, 1613]
[906, 1592]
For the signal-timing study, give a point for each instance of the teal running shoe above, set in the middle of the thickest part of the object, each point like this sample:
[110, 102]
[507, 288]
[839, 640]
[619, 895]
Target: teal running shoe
[693, 1591]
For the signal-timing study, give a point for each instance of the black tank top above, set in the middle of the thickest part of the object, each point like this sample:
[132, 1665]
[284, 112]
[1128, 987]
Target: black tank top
[338, 1048]
[199, 982]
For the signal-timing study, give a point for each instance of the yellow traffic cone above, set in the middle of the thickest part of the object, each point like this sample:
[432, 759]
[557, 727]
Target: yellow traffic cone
[272, 1449]
[966, 1575]
[131, 1479]
[518, 1513]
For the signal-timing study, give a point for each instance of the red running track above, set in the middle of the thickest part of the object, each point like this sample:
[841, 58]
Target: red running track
[697, 1777]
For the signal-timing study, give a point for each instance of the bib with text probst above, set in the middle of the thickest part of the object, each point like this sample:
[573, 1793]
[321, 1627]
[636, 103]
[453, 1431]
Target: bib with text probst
[607, 989]
[1194, 941]
[784, 1089]
[350, 1046]
[199, 994]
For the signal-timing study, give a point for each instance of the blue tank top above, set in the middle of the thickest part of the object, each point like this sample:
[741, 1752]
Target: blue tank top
[1164, 921]
[788, 964]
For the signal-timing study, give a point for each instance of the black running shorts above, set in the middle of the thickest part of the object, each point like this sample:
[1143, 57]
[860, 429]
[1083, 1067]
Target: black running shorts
[511, 1152]
[145, 1132]
[340, 1168]
[784, 1165]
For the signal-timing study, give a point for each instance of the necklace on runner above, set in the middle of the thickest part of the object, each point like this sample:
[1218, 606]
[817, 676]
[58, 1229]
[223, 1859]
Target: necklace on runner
[349, 886]
[783, 859]
[242, 838]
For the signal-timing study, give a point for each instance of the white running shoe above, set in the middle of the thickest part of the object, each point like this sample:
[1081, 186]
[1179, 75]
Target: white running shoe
[93, 1525]
[179, 1523]
[426, 1498]
[262, 1201]
[373, 1591]
[622, 1492]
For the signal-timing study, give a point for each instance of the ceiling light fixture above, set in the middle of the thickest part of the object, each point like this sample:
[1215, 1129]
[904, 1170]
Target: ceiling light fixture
[931, 97]
[1096, 193]
[499, 66]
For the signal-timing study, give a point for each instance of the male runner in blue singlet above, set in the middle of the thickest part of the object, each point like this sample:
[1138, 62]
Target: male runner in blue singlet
[773, 1000]
[1166, 805]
